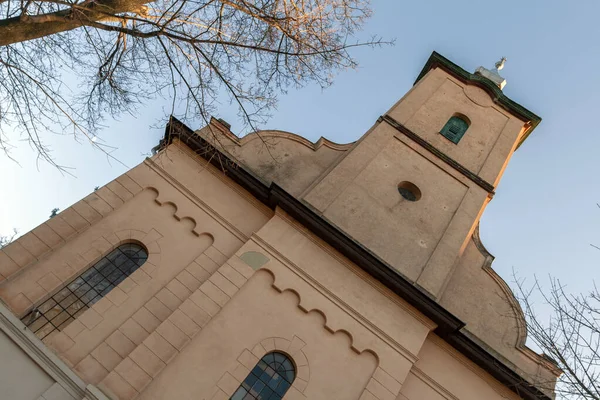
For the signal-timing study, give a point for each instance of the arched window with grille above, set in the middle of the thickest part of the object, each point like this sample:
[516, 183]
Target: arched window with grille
[269, 379]
[80, 294]
[455, 128]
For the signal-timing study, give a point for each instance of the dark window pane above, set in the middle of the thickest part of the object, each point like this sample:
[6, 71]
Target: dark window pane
[102, 285]
[283, 387]
[82, 290]
[88, 296]
[75, 307]
[53, 312]
[257, 387]
[266, 393]
[87, 275]
[95, 278]
[85, 290]
[67, 301]
[107, 270]
[59, 319]
[106, 290]
[269, 379]
[45, 330]
[58, 297]
[250, 380]
[38, 323]
[115, 276]
[239, 394]
[95, 300]
[76, 284]
[48, 304]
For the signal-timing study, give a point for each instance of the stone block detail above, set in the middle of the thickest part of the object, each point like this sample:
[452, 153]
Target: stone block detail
[134, 331]
[159, 346]
[62, 228]
[146, 319]
[224, 284]
[387, 381]
[228, 383]
[33, 244]
[106, 356]
[98, 204]
[18, 253]
[116, 385]
[133, 374]
[48, 236]
[119, 190]
[86, 211]
[74, 219]
[379, 391]
[129, 184]
[7, 265]
[90, 370]
[214, 293]
[147, 360]
[120, 343]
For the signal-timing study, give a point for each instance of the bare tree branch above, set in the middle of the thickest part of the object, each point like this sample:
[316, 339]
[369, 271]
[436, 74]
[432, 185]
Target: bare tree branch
[196, 52]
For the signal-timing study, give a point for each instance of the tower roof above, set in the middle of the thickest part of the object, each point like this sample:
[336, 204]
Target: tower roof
[436, 60]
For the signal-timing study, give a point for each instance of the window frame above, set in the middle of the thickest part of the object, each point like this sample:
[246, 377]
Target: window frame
[72, 299]
[258, 376]
[451, 135]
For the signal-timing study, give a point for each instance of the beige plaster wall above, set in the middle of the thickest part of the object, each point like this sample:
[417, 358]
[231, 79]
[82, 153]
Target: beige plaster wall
[189, 228]
[196, 317]
[498, 322]
[20, 377]
[442, 373]
[256, 314]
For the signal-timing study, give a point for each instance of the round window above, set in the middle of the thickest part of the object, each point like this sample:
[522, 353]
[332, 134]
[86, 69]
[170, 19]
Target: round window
[409, 191]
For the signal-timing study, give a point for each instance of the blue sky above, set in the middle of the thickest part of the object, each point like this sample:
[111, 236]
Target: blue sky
[544, 214]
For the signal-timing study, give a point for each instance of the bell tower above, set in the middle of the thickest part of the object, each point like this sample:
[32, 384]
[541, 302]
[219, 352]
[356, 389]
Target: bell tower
[413, 188]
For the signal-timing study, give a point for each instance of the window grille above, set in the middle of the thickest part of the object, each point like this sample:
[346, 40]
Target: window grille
[80, 294]
[270, 379]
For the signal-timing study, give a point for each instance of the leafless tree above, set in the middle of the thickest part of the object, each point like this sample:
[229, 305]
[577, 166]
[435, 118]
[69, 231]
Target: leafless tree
[6, 240]
[195, 52]
[569, 335]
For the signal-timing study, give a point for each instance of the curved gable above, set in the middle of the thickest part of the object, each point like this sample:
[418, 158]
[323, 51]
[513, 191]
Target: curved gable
[484, 302]
[290, 160]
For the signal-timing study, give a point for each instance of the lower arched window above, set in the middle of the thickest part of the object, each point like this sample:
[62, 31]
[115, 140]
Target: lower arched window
[270, 379]
[71, 301]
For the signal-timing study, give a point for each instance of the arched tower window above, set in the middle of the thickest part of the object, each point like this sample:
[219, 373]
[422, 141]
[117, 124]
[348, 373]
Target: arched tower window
[455, 128]
[71, 301]
[269, 379]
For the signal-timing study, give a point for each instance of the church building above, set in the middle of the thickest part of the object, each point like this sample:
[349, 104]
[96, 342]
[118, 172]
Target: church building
[270, 267]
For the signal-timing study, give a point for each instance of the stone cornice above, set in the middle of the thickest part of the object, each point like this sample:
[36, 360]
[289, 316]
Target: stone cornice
[488, 187]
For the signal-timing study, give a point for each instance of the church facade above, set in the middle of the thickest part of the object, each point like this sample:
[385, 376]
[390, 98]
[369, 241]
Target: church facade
[271, 267]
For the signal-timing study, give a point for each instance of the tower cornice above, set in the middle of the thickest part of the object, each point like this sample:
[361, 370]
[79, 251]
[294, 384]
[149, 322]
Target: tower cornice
[436, 60]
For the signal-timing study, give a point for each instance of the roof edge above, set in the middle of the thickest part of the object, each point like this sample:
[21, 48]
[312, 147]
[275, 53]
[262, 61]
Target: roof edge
[436, 60]
[449, 327]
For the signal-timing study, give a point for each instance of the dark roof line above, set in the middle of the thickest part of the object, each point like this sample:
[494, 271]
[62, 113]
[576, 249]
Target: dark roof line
[437, 60]
[448, 326]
